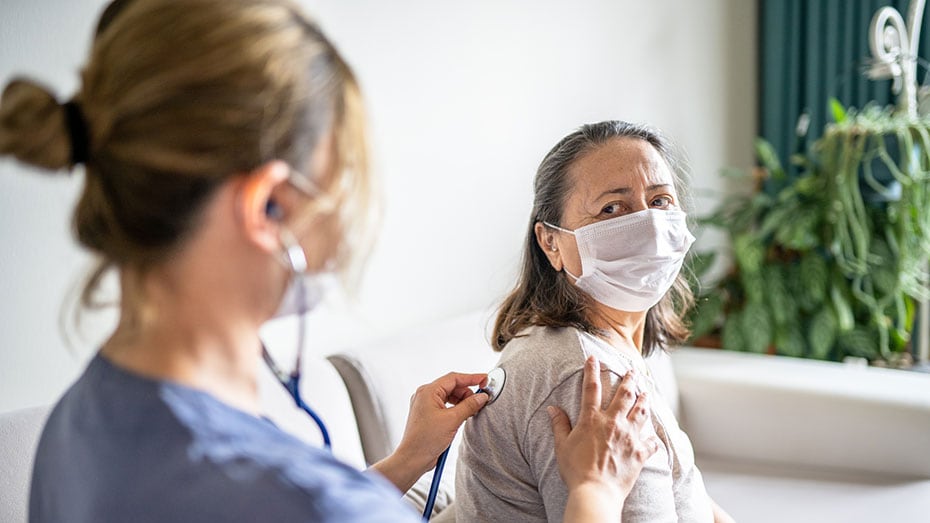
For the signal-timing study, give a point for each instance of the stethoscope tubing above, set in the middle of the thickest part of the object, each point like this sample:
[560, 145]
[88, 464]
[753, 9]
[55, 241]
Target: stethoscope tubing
[291, 384]
[434, 486]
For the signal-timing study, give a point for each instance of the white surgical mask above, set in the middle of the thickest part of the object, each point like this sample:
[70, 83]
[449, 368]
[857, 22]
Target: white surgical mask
[629, 263]
[313, 288]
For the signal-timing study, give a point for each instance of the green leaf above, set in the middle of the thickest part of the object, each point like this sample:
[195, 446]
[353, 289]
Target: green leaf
[782, 305]
[757, 327]
[753, 286]
[800, 233]
[837, 110]
[884, 269]
[749, 252]
[821, 334]
[732, 336]
[778, 217]
[790, 342]
[809, 185]
[769, 158]
[814, 278]
[859, 342]
[899, 338]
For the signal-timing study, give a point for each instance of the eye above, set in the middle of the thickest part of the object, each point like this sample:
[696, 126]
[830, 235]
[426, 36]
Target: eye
[662, 202]
[612, 209]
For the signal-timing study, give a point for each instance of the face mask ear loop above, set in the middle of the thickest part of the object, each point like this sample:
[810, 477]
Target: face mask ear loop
[556, 227]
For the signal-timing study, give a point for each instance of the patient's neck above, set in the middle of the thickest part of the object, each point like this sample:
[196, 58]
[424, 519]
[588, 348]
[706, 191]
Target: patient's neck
[623, 329]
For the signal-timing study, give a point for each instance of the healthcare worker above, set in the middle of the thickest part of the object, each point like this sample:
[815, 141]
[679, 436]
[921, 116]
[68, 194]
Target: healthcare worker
[224, 173]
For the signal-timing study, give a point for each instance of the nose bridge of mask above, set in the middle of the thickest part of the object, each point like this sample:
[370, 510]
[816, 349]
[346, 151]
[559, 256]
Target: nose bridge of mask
[631, 234]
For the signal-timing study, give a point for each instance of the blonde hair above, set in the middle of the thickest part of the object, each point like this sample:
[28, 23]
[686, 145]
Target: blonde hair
[178, 97]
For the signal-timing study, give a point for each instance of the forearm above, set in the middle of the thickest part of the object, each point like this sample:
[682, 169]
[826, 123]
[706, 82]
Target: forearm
[400, 470]
[431, 426]
[594, 504]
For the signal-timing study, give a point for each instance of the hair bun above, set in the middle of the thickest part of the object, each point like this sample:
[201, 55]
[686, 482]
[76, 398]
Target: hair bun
[33, 126]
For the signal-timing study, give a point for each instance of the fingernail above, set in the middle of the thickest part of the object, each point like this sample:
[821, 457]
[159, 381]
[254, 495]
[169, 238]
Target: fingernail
[550, 410]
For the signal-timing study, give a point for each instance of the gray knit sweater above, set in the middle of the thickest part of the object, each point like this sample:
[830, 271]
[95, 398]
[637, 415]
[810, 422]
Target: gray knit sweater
[507, 469]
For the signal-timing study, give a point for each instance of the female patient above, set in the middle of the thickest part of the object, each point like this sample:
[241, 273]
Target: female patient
[600, 276]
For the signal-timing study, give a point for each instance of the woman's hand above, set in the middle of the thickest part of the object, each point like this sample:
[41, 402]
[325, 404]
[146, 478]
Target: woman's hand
[431, 426]
[602, 456]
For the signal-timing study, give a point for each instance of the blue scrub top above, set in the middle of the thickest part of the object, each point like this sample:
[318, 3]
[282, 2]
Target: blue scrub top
[121, 447]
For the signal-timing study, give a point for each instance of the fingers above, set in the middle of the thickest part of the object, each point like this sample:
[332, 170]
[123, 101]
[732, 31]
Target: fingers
[561, 425]
[459, 395]
[646, 449]
[469, 406]
[625, 396]
[639, 412]
[591, 387]
[451, 388]
[652, 445]
[456, 381]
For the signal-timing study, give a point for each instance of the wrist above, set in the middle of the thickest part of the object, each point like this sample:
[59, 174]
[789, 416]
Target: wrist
[599, 497]
[401, 469]
[415, 460]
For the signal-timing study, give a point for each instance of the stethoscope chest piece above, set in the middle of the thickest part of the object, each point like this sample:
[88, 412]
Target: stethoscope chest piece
[495, 384]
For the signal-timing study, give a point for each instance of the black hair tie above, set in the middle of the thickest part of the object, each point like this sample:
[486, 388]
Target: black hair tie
[77, 130]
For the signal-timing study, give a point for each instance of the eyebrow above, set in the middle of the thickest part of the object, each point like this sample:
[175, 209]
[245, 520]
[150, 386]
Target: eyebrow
[626, 190]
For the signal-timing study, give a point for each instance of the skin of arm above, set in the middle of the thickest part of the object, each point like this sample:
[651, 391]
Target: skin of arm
[601, 457]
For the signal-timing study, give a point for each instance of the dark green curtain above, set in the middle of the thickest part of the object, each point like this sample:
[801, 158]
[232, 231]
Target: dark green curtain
[812, 50]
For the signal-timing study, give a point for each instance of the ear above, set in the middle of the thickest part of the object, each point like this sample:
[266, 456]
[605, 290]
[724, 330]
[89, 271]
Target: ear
[259, 212]
[546, 239]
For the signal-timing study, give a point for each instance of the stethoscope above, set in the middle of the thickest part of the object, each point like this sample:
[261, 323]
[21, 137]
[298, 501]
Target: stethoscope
[493, 389]
[291, 382]
[294, 256]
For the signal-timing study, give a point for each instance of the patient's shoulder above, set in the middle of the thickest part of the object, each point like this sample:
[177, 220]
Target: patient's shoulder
[542, 358]
[562, 349]
[539, 343]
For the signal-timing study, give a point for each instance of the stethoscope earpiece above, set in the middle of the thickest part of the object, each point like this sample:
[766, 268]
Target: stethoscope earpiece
[274, 211]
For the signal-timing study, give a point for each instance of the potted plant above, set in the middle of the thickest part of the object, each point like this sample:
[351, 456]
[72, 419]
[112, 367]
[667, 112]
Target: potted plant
[830, 262]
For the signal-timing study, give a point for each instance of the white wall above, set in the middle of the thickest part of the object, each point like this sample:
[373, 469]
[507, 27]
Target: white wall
[464, 97]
